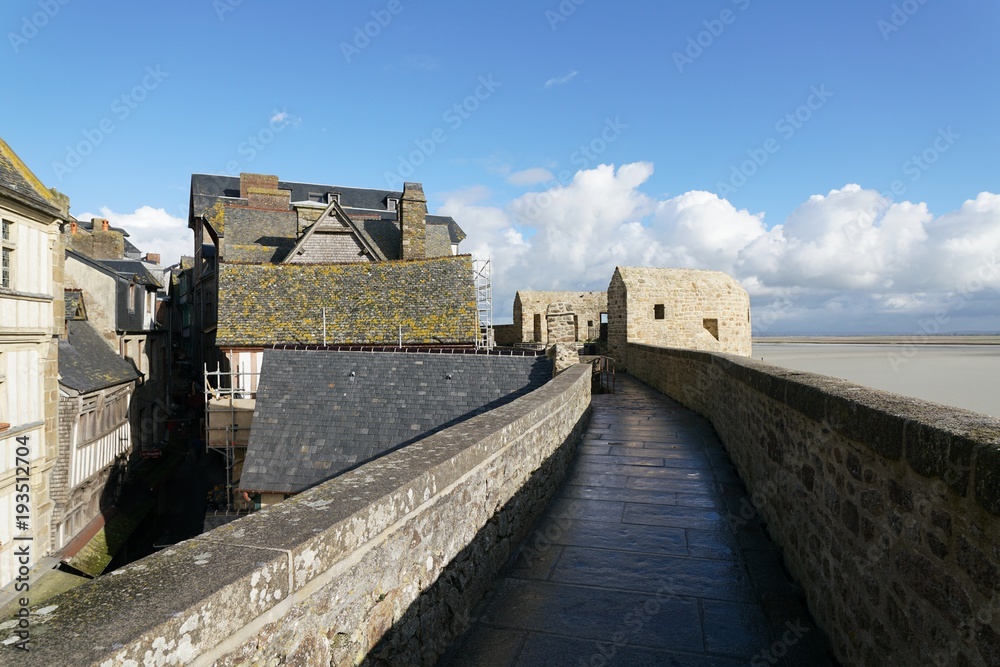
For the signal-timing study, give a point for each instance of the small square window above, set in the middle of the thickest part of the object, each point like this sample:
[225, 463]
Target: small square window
[659, 312]
[391, 204]
[711, 326]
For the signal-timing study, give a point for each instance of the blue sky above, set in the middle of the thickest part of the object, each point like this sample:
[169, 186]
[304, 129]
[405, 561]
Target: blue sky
[565, 137]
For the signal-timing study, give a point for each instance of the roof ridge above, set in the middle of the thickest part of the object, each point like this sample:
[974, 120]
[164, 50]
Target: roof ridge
[29, 176]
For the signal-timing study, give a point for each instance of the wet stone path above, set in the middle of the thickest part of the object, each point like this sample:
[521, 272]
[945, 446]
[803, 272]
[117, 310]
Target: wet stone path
[645, 557]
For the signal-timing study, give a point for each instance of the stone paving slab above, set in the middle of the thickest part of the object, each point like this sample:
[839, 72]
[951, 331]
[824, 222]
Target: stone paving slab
[638, 561]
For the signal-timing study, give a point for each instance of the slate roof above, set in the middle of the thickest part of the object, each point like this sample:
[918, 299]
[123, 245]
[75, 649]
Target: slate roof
[229, 186]
[433, 300]
[132, 268]
[87, 363]
[321, 413]
[75, 307]
[268, 237]
[340, 238]
[18, 182]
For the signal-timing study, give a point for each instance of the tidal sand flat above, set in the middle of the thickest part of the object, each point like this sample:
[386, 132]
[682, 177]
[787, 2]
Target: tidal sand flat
[964, 375]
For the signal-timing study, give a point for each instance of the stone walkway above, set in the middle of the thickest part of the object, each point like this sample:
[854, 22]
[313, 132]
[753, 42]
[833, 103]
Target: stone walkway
[643, 559]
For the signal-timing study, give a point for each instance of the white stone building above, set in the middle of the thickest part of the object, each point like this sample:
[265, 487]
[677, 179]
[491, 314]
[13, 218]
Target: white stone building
[31, 321]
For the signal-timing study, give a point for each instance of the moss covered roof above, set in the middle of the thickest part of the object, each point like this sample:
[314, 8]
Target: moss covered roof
[431, 301]
[20, 182]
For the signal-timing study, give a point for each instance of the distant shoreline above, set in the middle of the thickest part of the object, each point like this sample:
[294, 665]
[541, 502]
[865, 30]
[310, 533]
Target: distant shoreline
[913, 339]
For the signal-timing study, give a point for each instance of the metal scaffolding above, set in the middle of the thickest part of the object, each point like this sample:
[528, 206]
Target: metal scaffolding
[229, 409]
[484, 303]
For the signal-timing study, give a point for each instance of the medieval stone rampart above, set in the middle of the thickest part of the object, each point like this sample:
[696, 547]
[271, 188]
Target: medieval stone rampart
[385, 561]
[886, 507]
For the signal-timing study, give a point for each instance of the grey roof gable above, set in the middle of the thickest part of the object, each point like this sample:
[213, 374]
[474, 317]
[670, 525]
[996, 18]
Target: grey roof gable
[87, 363]
[207, 189]
[229, 186]
[132, 268]
[321, 413]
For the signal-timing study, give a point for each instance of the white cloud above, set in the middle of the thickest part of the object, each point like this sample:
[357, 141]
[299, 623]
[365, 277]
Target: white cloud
[151, 230]
[561, 80]
[281, 119]
[532, 176]
[844, 261]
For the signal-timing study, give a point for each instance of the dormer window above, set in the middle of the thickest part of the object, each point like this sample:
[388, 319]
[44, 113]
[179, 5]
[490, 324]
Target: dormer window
[391, 203]
[332, 197]
[316, 197]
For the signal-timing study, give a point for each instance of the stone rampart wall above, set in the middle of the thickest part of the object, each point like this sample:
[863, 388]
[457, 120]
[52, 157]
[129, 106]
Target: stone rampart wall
[381, 564]
[887, 508]
[587, 306]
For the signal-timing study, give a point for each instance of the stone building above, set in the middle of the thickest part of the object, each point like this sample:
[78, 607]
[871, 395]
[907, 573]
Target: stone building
[685, 308]
[122, 297]
[31, 321]
[590, 310]
[95, 436]
[279, 262]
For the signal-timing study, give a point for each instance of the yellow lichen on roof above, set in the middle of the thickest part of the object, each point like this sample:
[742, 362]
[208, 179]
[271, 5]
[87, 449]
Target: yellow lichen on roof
[267, 191]
[217, 218]
[27, 174]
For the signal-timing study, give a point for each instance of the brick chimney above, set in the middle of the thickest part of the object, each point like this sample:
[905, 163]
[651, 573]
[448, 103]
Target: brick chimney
[153, 257]
[264, 181]
[413, 222]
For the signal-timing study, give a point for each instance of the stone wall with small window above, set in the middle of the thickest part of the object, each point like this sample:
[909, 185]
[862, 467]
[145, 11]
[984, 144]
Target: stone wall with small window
[682, 308]
[530, 309]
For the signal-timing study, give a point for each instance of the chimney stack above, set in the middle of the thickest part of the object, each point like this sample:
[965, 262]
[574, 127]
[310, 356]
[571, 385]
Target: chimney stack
[72, 226]
[413, 222]
[153, 257]
[264, 181]
[105, 225]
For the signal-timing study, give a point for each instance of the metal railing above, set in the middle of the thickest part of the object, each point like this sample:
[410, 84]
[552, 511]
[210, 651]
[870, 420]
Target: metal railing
[603, 377]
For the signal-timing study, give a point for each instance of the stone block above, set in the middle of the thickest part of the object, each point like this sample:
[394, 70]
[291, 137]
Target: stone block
[988, 478]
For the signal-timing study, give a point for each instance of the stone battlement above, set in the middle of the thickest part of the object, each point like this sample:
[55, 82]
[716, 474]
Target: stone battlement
[886, 507]
[386, 560]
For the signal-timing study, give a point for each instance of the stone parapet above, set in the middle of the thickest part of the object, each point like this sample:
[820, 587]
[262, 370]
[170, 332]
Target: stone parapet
[560, 323]
[384, 562]
[887, 508]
